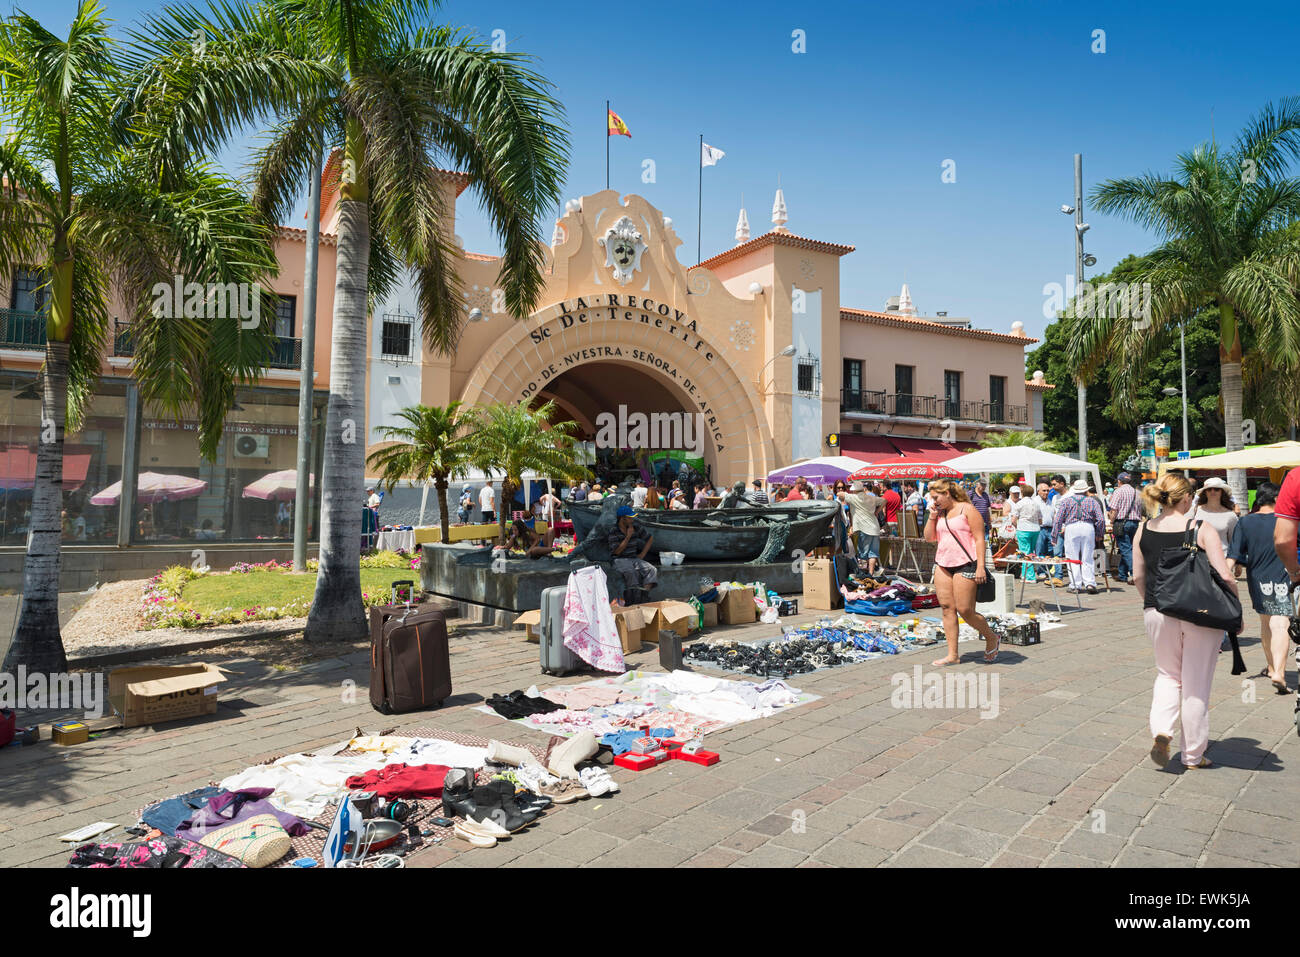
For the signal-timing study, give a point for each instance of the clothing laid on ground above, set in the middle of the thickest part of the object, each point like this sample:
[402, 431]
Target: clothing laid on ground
[581, 698]
[236, 807]
[620, 742]
[519, 705]
[440, 751]
[170, 814]
[1266, 576]
[589, 628]
[402, 780]
[385, 744]
[303, 784]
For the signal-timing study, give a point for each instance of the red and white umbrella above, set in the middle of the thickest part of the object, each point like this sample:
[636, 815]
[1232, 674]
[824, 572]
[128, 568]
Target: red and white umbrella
[154, 487]
[921, 471]
[277, 486]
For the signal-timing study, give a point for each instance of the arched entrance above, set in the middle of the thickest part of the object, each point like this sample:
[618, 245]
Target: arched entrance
[593, 358]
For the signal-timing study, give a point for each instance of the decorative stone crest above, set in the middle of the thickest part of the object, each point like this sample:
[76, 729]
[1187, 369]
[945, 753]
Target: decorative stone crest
[623, 249]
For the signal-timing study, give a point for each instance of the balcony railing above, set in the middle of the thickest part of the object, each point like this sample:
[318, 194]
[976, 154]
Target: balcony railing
[286, 353]
[22, 330]
[123, 343]
[931, 407]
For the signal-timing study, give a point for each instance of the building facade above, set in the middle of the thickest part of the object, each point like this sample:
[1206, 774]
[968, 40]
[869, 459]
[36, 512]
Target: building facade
[753, 344]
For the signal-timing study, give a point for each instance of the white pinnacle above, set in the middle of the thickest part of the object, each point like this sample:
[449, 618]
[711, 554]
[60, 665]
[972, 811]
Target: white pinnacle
[905, 302]
[742, 227]
[779, 217]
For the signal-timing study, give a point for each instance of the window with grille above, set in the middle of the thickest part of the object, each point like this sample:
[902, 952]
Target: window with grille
[26, 294]
[396, 336]
[286, 308]
[808, 379]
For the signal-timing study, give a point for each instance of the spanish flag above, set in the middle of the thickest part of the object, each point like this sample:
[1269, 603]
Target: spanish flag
[616, 125]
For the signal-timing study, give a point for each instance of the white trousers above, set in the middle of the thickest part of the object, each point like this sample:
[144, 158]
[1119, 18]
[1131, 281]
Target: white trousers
[1079, 539]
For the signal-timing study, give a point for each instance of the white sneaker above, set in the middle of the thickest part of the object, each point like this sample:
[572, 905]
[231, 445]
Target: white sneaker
[534, 777]
[595, 780]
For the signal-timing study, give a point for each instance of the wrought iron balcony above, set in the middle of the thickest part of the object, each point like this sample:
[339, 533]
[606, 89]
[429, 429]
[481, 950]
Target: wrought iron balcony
[286, 353]
[862, 400]
[879, 402]
[123, 343]
[22, 330]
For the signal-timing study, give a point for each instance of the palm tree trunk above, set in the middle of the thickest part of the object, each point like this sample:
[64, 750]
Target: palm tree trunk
[337, 612]
[37, 642]
[1230, 386]
[507, 503]
[444, 518]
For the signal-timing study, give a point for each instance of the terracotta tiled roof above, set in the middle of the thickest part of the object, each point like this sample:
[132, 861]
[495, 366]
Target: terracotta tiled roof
[903, 322]
[481, 258]
[300, 235]
[1031, 384]
[774, 238]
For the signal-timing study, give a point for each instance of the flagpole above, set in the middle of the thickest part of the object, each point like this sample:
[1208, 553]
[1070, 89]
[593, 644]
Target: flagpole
[699, 214]
[607, 144]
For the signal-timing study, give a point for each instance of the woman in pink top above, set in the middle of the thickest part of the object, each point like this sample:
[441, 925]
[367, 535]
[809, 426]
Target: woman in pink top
[958, 565]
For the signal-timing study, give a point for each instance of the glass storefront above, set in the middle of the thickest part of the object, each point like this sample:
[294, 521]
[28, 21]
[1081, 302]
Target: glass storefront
[245, 495]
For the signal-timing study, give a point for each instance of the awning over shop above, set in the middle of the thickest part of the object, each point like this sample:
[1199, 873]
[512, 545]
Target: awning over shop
[18, 467]
[925, 450]
[868, 448]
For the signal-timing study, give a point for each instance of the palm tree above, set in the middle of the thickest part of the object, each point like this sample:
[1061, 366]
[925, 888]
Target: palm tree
[1221, 219]
[393, 95]
[433, 446]
[80, 213]
[511, 438]
[1010, 437]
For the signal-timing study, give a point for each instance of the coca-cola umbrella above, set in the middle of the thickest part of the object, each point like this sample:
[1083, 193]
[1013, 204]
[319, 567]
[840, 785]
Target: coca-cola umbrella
[901, 471]
[154, 487]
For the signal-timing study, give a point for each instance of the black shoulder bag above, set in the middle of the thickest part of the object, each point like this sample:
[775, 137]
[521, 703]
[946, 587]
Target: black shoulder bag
[986, 591]
[1189, 589]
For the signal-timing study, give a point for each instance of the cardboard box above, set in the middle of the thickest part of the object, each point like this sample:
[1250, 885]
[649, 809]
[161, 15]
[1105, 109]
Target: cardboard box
[675, 616]
[737, 607]
[532, 622]
[631, 621]
[156, 693]
[820, 591]
[70, 732]
[710, 615]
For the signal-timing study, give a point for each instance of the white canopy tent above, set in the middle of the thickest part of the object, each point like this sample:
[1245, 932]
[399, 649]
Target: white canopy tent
[1026, 461]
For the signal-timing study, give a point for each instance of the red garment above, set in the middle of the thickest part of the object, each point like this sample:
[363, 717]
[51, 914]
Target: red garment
[1288, 500]
[892, 503]
[402, 781]
[794, 496]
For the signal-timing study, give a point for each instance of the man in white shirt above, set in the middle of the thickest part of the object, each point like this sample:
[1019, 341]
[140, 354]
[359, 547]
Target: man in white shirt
[864, 519]
[487, 503]
[639, 493]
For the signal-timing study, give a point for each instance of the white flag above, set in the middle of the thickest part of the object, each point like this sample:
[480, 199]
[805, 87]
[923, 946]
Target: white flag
[709, 155]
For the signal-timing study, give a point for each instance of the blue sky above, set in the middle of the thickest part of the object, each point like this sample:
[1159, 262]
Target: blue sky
[859, 126]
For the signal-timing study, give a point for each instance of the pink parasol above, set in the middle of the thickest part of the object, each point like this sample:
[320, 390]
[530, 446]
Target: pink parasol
[154, 487]
[922, 471]
[277, 486]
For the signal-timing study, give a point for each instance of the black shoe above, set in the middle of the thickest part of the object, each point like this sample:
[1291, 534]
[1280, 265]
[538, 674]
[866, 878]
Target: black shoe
[457, 793]
[510, 798]
[489, 806]
[1092, 589]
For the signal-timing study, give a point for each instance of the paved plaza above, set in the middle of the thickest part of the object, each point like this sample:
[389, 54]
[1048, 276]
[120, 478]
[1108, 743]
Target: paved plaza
[1059, 778]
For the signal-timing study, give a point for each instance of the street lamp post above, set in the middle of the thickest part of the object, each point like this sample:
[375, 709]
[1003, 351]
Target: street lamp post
[1079, 230]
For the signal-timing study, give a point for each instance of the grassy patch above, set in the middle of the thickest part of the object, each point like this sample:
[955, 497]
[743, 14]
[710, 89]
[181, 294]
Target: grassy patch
[213, 593]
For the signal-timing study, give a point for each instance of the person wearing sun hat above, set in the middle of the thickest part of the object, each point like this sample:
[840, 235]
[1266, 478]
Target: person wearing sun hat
[1216, 509]
[1081, 524]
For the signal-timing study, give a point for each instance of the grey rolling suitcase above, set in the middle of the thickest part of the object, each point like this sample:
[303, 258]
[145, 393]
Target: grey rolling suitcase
[556, 658]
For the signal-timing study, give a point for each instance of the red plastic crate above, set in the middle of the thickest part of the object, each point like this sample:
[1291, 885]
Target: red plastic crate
[706, 758]
[637, 762]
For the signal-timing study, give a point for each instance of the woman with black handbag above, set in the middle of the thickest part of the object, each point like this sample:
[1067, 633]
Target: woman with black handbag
[1174, 561]
[959, 576]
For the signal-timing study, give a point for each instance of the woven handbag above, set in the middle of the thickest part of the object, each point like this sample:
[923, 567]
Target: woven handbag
[258, 842]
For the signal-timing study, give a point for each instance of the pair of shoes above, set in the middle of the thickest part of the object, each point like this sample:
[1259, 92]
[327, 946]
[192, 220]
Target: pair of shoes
[476, 834]
[483, 804]
[1160, 750]
[597, 781]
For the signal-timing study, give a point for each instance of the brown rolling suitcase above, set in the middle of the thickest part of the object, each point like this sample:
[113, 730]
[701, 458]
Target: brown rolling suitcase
[410, 667]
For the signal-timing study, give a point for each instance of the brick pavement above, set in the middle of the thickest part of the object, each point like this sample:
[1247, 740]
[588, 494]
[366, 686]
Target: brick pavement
[1060, 778]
